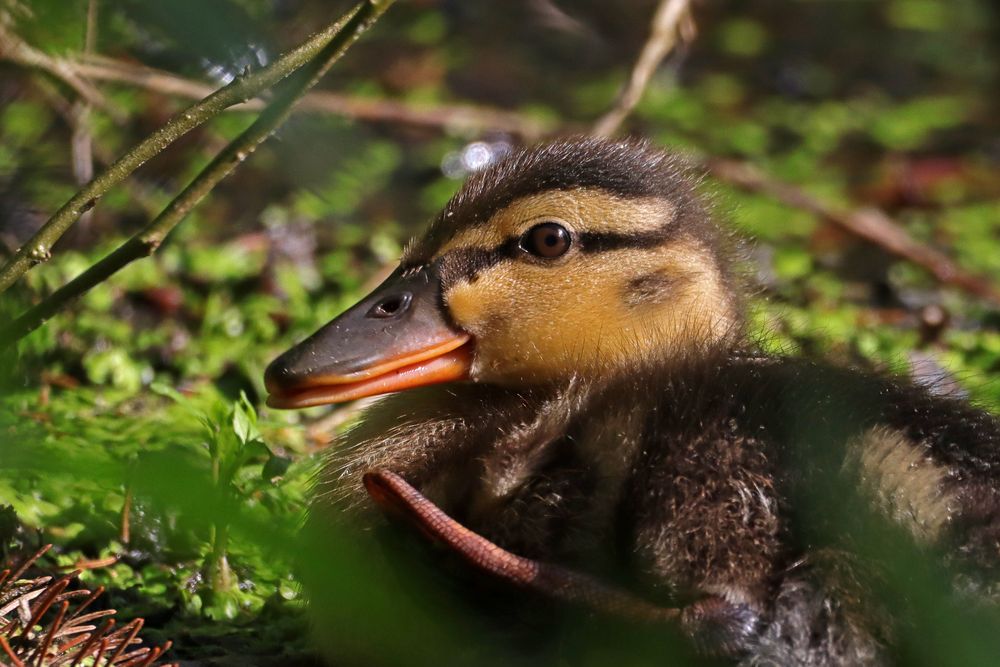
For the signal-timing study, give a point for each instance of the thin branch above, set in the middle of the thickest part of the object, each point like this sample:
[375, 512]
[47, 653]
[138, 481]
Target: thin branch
[455, 117]
[16, 50]
[90, 36]
[142, 193]
[870, 224]
[347, 31]
[82, 142]
[38, 248]
[671, 22]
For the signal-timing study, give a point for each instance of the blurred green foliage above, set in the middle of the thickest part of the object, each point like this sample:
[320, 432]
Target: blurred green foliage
[143, 397]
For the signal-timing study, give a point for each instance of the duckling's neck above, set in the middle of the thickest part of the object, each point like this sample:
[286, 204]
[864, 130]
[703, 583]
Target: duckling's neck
[515, 464]
[428, 434]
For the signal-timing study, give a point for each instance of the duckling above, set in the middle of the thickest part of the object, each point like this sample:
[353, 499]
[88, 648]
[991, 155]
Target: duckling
[577, 406]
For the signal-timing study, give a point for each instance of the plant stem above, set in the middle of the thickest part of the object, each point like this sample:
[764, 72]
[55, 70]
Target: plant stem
[217, 566]
[220, 575]
[146, 242]
[39, 247]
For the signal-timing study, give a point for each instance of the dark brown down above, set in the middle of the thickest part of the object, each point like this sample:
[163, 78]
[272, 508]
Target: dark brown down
[619, 425]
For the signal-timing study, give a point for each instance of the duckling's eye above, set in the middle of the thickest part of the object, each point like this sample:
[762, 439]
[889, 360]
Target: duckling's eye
[547, 240]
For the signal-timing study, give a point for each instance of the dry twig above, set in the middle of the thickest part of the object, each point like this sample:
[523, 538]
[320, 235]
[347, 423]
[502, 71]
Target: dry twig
[82, 141]
[16, 50]
[671, 23]
[870, 224]
[456, 117]
[448, 117]
[141, 192]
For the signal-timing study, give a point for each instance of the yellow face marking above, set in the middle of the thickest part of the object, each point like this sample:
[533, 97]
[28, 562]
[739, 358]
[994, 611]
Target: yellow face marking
[580, 210]
[534, 321]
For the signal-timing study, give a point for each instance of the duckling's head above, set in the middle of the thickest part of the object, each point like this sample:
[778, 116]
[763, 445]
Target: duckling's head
[579, 258]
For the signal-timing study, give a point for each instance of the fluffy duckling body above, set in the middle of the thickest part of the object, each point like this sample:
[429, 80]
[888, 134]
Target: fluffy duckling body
[582, 391]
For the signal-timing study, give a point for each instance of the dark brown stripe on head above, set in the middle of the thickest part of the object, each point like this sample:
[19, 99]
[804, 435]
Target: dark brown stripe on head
[626, 169]
[468, 263]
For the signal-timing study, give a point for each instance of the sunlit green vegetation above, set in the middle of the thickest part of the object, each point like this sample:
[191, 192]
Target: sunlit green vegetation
[132, 424]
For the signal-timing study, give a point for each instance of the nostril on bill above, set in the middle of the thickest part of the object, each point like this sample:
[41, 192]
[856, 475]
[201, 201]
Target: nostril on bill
[391, 306]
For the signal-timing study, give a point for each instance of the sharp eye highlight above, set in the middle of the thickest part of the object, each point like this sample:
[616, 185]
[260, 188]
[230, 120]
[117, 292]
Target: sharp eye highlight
[547, 240]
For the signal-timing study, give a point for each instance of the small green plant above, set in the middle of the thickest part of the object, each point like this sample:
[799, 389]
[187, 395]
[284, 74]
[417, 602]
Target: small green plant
[241, 468]
[233, 442]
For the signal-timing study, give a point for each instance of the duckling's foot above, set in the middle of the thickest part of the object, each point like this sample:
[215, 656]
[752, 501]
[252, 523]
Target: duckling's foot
[394, 494]
[716, 625]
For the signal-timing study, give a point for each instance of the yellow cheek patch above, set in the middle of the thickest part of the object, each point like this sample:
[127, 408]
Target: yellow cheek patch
[470, 305]
[582, 209]
[537, 322]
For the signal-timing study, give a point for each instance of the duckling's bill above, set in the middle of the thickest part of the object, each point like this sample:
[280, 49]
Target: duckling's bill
[396, 338]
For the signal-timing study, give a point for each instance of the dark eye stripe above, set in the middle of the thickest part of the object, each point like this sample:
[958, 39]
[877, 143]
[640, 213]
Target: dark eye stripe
[468, 263]
[606, 241]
